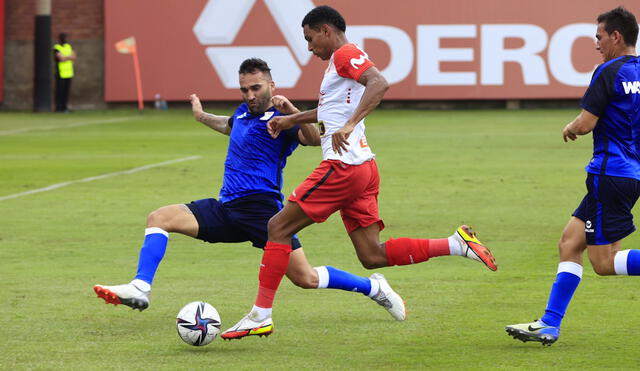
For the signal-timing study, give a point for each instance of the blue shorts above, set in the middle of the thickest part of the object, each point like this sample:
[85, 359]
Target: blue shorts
[606, 209]
[239, 220]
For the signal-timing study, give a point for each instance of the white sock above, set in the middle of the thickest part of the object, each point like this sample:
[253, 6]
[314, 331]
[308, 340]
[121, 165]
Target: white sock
[142, 285]
[620, 262]
[455, 244]
[323, 277]
[375, 288]
[263, 313]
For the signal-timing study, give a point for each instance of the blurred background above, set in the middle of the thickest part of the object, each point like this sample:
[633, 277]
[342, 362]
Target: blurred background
[493, 53]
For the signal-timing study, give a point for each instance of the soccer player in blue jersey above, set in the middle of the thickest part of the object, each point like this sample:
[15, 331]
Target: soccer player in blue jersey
[611, 110]
[250, 196]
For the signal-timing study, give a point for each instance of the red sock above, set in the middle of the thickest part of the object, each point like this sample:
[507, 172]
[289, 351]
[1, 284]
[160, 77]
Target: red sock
[275, 261]
[405, 251]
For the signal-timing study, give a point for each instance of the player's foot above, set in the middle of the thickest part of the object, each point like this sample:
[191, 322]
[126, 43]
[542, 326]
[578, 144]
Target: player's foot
[472, 248]
[534, 331]
[250, 325]
[127, 294]
[388, 298]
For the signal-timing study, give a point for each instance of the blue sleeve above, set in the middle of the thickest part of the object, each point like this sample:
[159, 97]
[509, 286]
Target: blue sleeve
[230, 122]
[600, 91]
[292, 134]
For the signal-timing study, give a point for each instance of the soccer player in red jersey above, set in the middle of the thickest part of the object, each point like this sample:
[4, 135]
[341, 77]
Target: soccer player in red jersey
[346, 180]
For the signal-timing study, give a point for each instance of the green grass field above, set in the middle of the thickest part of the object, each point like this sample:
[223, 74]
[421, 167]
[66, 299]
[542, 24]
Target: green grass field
[507, 173]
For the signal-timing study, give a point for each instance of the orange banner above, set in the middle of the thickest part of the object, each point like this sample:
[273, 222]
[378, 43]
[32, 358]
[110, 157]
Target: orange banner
[427, 50]
[2, 50]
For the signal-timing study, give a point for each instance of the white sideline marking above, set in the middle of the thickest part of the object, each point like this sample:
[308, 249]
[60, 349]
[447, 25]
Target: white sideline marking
[73, 125]
[97, 177]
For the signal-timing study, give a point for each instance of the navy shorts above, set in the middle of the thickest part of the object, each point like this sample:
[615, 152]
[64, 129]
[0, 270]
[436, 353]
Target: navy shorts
[606, 209]
[239, 220]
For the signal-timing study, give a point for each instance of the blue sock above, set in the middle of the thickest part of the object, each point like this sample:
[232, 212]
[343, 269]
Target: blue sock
[332, 278]
[627, 262]
[567, 281]
[151, 253]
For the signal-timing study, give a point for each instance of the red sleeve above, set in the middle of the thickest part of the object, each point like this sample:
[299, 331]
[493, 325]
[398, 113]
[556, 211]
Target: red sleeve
[351, 62]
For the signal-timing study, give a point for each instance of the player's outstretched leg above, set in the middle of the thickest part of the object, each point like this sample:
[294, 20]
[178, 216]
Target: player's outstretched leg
[473, 249]
[250, 325]
[463, 242]
[534, 331]
[375, 287]
[130, 294]
[136, 293]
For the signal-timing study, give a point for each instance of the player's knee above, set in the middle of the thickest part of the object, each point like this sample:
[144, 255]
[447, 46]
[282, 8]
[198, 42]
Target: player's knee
[276, 229]
[373, 262]
[159, 219]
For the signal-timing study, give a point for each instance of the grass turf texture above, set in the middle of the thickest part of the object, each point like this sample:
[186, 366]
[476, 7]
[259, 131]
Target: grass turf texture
[507, 173]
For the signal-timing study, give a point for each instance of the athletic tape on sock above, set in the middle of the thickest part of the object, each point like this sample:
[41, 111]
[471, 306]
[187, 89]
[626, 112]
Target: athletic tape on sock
[620, 262]
[570, 267]
[323, 277]
[153, 230]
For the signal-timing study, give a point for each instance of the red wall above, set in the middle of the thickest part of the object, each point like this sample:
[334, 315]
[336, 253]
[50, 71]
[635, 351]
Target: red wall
[2, 50]
[490, 49]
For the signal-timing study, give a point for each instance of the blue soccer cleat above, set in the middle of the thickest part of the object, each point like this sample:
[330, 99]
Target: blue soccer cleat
[534, 331]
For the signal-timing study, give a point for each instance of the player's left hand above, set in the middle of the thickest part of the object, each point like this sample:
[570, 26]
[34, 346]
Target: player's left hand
[567, 134]
[339, 139]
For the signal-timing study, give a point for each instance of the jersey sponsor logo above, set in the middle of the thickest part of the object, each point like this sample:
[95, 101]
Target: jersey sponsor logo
[267, 115]
[631, 87]
[357, 62]
[241, 116]
[363, 142]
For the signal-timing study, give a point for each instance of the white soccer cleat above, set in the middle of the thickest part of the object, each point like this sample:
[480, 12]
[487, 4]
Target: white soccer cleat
[388, 298]
[127, 294]
[249, 325]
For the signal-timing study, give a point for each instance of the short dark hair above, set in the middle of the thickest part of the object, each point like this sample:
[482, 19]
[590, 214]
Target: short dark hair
[623, 21]
[253, 65]
[324, 14]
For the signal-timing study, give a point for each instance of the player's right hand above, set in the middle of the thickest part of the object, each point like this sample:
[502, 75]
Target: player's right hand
[283, 104]
[196, 106]
[278, 124]
[567, 134]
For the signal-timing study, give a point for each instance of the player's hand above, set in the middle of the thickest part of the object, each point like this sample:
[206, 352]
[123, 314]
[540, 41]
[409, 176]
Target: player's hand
[196, 106]
[278, 124]
[567, 134]
[283, 104]
[339, 139]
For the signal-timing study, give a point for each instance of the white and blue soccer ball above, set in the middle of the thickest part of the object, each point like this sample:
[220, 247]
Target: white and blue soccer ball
[198, 323]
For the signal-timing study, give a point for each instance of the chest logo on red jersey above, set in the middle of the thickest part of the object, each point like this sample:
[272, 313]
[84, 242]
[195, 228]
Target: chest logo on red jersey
[357, 62]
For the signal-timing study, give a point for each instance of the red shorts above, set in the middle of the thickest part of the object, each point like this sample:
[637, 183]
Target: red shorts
[333, 186]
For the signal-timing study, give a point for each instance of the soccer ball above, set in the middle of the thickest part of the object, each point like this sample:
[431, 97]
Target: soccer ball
[198, 323]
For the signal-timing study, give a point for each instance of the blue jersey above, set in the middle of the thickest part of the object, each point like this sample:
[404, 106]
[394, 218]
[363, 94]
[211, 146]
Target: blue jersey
[255, 161]
[614, 96]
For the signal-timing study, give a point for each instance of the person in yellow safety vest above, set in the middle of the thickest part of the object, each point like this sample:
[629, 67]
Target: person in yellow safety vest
[64, 57]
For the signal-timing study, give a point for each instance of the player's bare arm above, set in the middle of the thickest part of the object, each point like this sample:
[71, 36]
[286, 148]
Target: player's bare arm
[217, 123]
[581, 125]
[376, 85]
[280, 123]
[308, 134]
